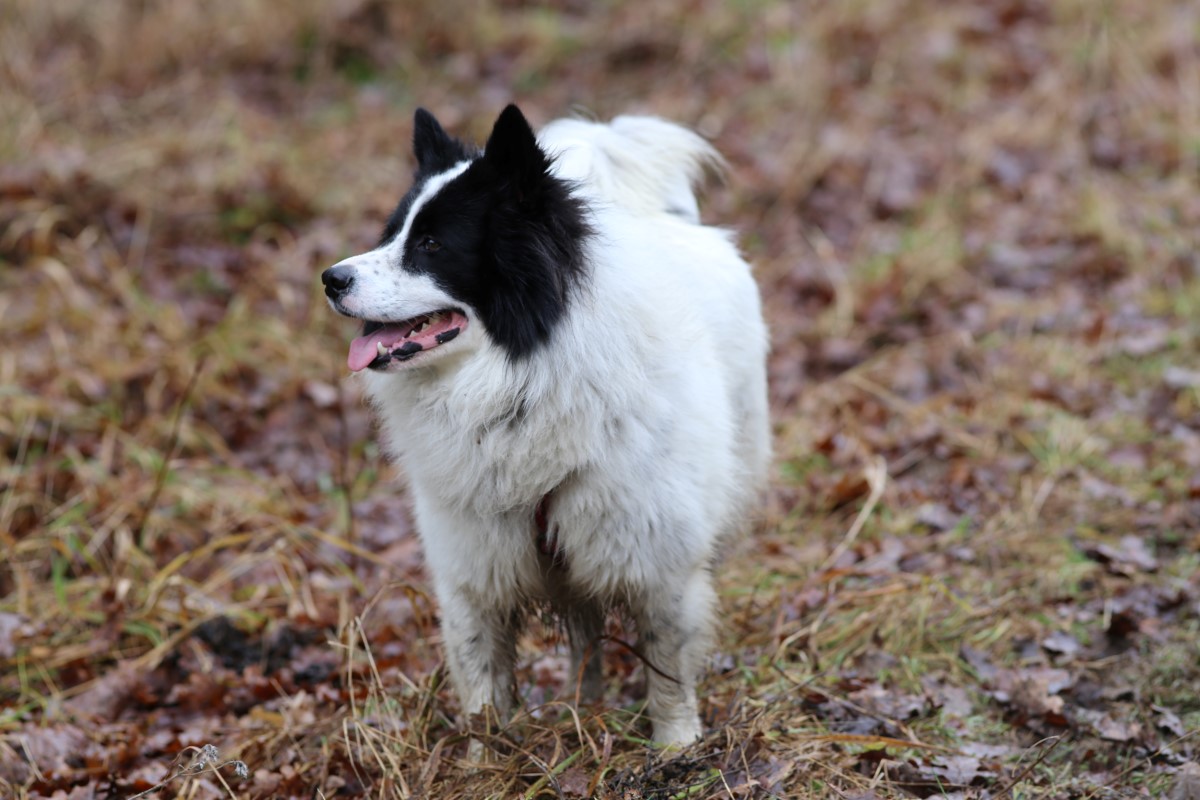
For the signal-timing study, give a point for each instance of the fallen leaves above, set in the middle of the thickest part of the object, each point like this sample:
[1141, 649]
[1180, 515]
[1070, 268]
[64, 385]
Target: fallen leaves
[107, 696]
[1129, 556]
[12, 628]
[1062, 644]
[1187, 783]
[47, 752]
[1034, 691]
[975, 232]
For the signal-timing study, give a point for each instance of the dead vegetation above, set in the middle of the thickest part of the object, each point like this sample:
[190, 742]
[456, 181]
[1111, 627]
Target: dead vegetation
[975, 225]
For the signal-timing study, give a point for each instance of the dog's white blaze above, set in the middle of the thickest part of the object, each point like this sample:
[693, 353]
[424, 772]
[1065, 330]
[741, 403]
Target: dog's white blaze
[383, 289]
[384, 293]
[393, 251]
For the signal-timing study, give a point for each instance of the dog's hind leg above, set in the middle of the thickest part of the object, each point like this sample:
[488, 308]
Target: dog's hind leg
[675, 631]
[585, 629]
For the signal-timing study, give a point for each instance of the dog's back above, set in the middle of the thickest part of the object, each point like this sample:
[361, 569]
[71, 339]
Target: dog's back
[647, 169]
[645, 165]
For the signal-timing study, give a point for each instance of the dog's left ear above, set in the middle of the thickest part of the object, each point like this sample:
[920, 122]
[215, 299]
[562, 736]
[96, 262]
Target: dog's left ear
[513, 151]
[432, 146]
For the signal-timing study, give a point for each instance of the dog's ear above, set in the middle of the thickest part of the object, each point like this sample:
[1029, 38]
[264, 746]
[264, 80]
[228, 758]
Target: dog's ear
[434, 148]
[513, 151]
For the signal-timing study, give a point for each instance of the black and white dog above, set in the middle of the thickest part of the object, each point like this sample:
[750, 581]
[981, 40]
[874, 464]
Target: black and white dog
[571, 369]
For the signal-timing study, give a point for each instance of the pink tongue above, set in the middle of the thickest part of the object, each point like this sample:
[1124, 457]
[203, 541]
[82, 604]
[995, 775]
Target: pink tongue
[364, 349]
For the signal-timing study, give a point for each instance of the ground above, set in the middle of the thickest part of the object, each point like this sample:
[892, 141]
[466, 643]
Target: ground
[975, 227]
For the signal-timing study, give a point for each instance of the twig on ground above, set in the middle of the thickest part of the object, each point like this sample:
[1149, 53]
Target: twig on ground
[204, 759]
[1023, 774]
[160, 477]
[876, 475]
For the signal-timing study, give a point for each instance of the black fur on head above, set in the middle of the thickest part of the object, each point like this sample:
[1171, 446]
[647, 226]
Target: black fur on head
[436, 151]
[510, 236]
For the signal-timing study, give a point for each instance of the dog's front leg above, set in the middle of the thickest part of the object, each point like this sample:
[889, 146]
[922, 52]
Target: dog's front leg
[674, 622]
[480, 651]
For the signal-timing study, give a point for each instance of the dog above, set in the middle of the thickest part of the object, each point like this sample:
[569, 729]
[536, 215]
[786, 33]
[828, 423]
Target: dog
[570, 368]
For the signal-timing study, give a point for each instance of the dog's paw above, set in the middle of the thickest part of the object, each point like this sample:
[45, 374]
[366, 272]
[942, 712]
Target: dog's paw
[677, 734]
[479, 755]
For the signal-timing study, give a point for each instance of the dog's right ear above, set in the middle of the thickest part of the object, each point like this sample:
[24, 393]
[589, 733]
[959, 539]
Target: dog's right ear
[513, 151]
[434, 148]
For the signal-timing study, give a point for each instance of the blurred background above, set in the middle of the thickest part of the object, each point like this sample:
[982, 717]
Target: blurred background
[975, 228]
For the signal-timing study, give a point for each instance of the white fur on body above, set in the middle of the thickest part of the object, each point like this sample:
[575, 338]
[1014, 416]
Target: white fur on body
[644, 417]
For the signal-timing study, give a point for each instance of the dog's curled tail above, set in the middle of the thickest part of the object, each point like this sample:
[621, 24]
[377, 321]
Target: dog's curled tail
[643, 164]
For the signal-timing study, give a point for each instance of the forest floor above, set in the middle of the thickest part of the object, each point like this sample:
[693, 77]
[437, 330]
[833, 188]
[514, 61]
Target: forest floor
[975, 226]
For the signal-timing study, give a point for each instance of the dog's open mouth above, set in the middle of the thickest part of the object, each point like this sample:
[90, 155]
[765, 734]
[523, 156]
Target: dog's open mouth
[383, 342]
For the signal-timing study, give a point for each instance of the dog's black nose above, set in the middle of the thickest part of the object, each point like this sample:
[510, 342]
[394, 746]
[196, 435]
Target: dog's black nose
[337, 281]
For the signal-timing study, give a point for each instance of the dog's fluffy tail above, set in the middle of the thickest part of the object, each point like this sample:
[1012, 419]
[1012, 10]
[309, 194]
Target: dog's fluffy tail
[643, 164]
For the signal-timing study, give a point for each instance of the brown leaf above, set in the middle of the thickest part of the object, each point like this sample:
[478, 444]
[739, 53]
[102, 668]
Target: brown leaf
[1130, 556]
[1098, 489]
[1008, 169]
[265, 782]
[1187, 783]
[777, 770]
[979, 661]
[954, 701]
[56, 750]
[1180, 378]
[849, 487]
[1167, 720]
[109, 695]
[1062, 643]
[957, 770]
[889, 703]
[938, 516]
[321, 393]
[574, 782]
[10, 629]
[987, 751]
[1147, 341]
[1033, 690]
[886, 558]
[1116, 730]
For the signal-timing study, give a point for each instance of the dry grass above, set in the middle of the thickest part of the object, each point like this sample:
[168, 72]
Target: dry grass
[975, 227]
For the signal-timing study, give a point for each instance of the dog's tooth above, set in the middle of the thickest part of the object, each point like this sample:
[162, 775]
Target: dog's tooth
[379, 348]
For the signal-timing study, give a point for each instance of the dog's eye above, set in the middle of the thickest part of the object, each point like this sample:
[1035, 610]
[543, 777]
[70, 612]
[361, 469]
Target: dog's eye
[429, 244]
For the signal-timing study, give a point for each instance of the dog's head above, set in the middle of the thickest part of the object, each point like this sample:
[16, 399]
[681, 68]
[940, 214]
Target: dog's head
[485, 243]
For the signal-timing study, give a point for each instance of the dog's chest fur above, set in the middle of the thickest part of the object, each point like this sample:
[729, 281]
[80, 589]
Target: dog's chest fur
[492, 444]
[487, 441]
